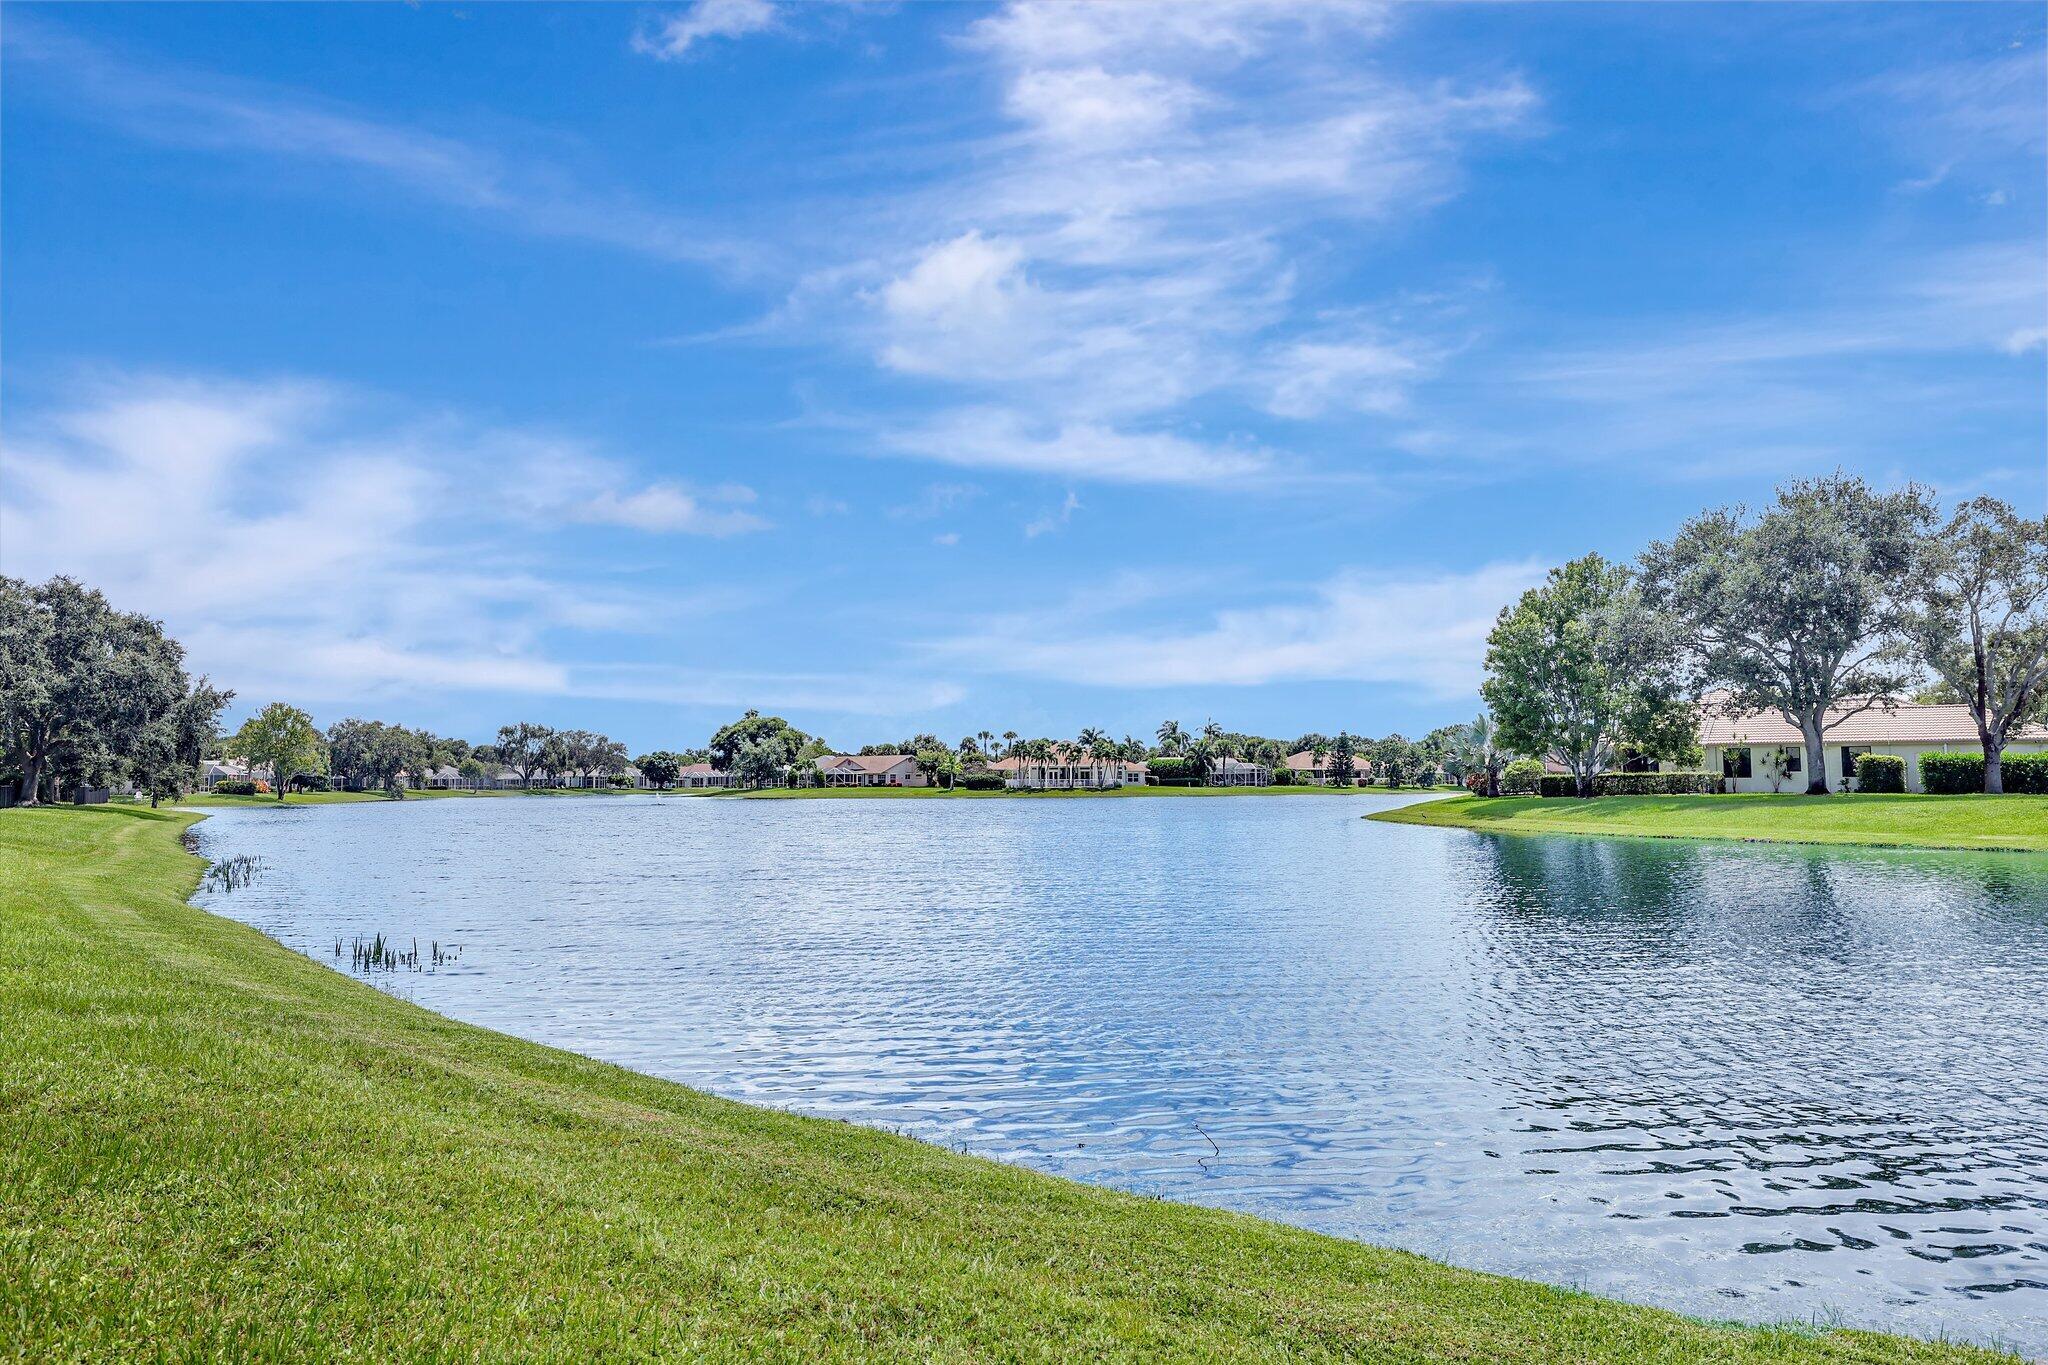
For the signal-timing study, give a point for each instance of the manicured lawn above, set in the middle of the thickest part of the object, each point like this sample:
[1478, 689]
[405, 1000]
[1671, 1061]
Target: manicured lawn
[940, 793]
[1981, 822]
[213, 1148]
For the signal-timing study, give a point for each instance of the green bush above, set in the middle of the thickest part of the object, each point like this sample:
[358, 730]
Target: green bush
[1558, 784]
[982, 781]
[1882, 773]
[1283, 776]
[1948, 774]
[1523, 777]
[234, 786]
[1173, 771]
[312, 782]
[2025, 773]
[1656, 784]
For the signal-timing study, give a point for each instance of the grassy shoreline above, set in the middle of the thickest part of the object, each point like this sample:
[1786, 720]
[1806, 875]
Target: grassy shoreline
[209, 1140]
[2016, 824]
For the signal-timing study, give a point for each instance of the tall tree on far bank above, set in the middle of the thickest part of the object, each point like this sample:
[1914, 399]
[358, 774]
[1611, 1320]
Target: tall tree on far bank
[1581, 666]
[283, 739]
[79, 681]
[1801, 610]
[1342, 769]
[1979, 619]
[519, 748]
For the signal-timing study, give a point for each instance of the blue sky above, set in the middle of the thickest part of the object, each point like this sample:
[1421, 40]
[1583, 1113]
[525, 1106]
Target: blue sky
[950, 367]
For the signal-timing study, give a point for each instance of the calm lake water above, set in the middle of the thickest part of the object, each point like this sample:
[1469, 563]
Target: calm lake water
[1734, 1080]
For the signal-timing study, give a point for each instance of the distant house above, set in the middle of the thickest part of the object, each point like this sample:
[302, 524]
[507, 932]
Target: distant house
[1763, 753]
[700, 775]
[871, 770]
[1069, 768]
[212, 770]
[1234, 772]
[1315, 772]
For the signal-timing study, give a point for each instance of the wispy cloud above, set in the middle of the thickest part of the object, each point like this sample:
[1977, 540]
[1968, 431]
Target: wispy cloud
[1423, 630]
[993, 438]
[304, 540]
[1132, 242]
[204, 112]
[671, 38]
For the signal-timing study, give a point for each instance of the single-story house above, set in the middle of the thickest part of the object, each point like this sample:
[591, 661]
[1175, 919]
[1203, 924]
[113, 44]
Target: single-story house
[1315, 772]
[1069, 769]
[702, 775]
[871, 770]
[212, 770]
[1765, 753]
[1233, 772]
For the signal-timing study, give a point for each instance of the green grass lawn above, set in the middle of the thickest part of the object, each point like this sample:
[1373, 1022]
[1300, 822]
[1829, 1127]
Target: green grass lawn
[941, 793]
[211, 1147]
[1978, 822]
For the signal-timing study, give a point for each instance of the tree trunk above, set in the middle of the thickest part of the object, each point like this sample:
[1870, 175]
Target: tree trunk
[1994, 767]
[32, 782]
[1816, 759]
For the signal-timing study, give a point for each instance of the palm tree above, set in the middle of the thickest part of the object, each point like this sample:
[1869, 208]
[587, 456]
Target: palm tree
[1483, 735]
[1103, 750]
[1172, 739]
[1009, 742]
[988, 741]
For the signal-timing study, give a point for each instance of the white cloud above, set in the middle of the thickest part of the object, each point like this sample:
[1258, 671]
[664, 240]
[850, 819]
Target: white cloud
[165, 104]
[1310, 378]
[986, 438]
[1053, 521]
[673, 37]
[1422, 630]
[303, 543]
[1090, 107]
[1135, 241]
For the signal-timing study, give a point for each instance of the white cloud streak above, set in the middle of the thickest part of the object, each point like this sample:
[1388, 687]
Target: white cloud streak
[676, 34]
[1421, 630]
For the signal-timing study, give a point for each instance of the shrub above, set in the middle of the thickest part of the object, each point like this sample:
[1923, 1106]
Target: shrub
[2025, 773]
[1475, 783]
[1948, 774]
[235, 786]
[619, 780]
[983, 781]
[312, 782]
[1172, 770]
[1558, 784]
[1523, 777]
[1882, 773]
[1283, 776]
[1656, 784]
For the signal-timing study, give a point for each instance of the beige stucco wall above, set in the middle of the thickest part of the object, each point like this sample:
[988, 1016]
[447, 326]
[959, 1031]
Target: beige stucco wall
[1759, 782]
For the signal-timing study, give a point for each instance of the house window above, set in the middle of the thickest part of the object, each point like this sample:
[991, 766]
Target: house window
[1735, 761]
[1794, 757]
[1849, 757]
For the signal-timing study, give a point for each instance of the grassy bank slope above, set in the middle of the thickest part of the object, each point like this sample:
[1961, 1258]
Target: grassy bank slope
[1975, 822]
[211, 1147]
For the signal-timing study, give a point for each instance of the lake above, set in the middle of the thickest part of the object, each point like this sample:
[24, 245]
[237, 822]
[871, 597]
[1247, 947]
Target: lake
[1740, 1081]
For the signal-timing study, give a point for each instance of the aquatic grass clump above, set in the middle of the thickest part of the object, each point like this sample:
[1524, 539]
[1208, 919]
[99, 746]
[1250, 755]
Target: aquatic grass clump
[232, 874]
[379, 954]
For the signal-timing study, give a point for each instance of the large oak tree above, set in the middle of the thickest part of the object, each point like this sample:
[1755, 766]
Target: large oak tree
[1979, 619]
[1801, 609]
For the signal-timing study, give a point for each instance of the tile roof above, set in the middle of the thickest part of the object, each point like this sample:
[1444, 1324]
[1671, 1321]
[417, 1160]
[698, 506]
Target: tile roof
[867, 763]
[1905, 723]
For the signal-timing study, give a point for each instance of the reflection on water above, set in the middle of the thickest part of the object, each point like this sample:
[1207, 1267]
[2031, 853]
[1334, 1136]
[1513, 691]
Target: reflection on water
[1740, 1081]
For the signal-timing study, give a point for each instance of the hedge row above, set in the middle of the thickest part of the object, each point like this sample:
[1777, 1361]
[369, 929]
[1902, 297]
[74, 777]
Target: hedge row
[1656, 784]
[1883, 773]
[1958, 774]
[982, 782]
[235, 786]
